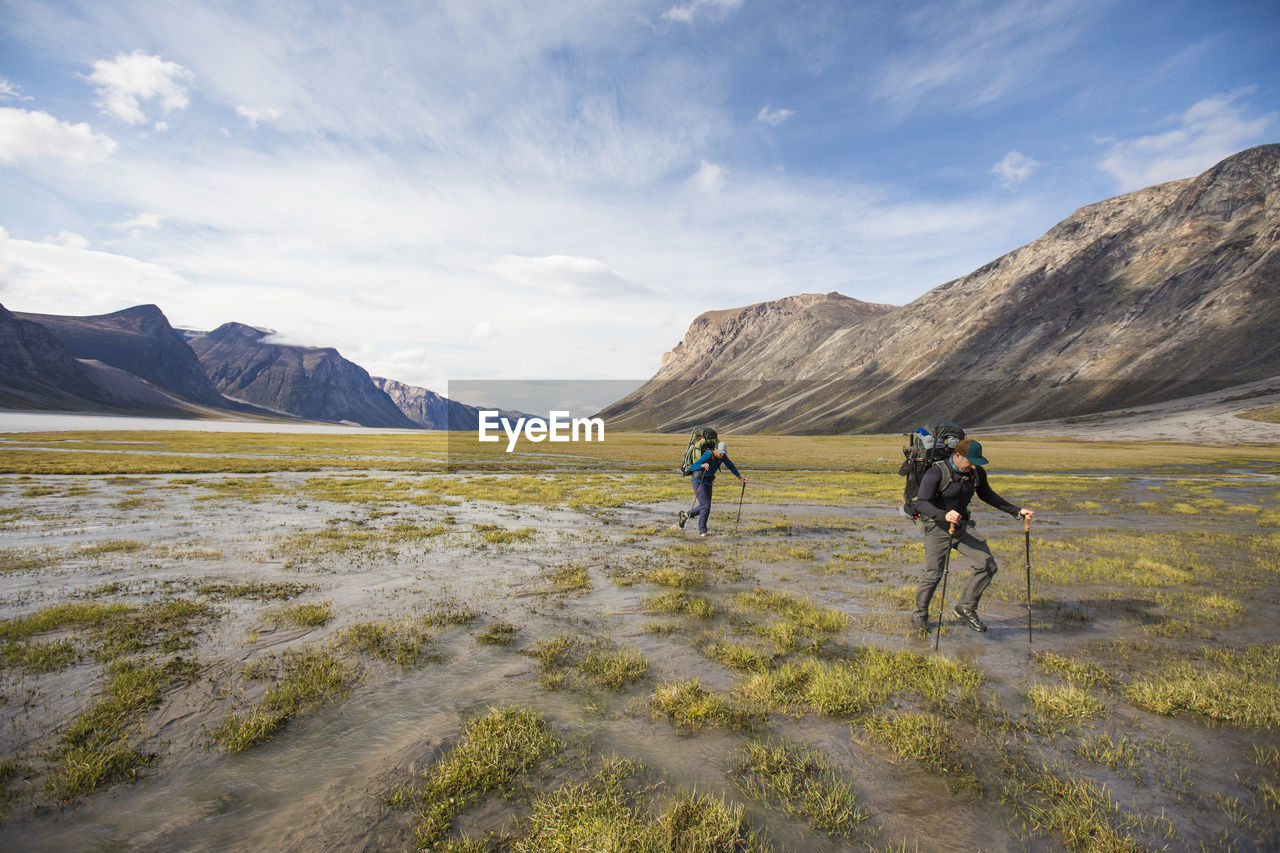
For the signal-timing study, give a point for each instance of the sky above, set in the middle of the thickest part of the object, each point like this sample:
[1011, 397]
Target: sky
[497, 189]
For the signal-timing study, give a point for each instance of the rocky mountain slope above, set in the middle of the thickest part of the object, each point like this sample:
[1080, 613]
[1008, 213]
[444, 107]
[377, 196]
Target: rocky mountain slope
[428, 409]
[38, 372]
[308, 382]
[1158, 294]
[140, 341]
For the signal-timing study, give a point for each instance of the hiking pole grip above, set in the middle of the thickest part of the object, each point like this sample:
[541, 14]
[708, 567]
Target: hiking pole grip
[942, 602]
[1026, 529]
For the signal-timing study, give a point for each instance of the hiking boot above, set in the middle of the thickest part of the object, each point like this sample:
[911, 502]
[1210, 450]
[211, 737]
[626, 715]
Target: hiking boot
[684, 516]
[703, 535]
[970, 616]
[919, 623]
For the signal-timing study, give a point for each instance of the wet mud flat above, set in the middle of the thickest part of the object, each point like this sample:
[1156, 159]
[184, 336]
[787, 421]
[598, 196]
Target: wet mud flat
[353, 647]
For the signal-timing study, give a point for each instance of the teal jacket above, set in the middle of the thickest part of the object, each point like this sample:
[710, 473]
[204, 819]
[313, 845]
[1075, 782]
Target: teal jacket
[710, 476]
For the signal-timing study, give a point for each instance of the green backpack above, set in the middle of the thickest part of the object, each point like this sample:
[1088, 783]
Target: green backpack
[701, 440]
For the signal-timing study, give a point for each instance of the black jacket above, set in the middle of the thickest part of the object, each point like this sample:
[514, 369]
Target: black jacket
[937, 498]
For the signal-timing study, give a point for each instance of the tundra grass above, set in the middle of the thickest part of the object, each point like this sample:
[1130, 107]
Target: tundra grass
[604, 814]
[105, 743]
[570, 661]
[1241, 686]
[138, 452]
[21, 560]
[1064, 703]
[869, 678]
[1081, 811]
[570, 579]
[450, 611]
[743, 657]
[37, 657]
[493, 535]
[256, 590]
[921, 736]
[305, 679]
[690, 707]
[680, 604]
[495, 749]
[498, 634]
[1081, 673]
[311, 614]
[802, 782]
[406, 644]
[1123, 754]
[115, 629]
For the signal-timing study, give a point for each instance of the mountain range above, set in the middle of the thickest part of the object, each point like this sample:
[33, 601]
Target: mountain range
[134, 362]
[1151, 296]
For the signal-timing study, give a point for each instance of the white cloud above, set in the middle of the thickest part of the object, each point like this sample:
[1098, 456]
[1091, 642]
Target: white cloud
[9, 91]
[142, 220]
[773, 117]
[70, 239]
[254, 116]
[481, 332]
[1014, 168]
[714, 8]
[129, 80]
[965, 59]
[1210, 131]
[709, 177]
[29, 135]
[562, 275]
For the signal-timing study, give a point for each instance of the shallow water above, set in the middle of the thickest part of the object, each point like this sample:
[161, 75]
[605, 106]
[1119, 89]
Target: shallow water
[319, 783]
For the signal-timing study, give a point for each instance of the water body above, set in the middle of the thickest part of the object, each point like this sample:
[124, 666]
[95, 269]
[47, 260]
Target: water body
[11, 421]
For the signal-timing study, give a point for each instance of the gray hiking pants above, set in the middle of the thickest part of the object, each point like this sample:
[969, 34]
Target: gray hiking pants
[971, 547]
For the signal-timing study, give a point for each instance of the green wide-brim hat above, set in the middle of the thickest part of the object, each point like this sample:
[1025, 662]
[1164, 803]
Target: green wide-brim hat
[971, 450]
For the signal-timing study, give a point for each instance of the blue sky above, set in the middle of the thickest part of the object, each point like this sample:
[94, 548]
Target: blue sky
[479, 189]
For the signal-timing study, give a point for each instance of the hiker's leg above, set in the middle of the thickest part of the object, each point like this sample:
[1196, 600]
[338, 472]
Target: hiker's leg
[972, 545]
[936, 541]
[703, 510]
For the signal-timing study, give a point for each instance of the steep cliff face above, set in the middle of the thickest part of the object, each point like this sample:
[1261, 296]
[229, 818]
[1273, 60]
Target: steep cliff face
[1158, 294]
[137, 340]
[307, 382]
[37, 371]
[428, 409]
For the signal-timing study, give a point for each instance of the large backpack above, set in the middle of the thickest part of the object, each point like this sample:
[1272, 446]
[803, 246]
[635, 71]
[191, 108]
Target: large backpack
[701, 440]
[934, 441]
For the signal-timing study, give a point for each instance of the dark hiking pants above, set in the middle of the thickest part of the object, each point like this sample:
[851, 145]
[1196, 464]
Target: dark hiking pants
[972, 554]
[702, 490]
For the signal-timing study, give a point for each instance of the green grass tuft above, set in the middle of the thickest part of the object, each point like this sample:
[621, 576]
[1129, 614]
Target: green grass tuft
[801, 781]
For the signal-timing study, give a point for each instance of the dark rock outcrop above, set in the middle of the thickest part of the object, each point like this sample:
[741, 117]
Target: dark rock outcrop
[308, 382]
[140, 341]
[1155, 295]
[37, 372]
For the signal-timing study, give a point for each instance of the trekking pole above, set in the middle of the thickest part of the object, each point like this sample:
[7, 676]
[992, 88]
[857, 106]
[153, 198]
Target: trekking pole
[740, 497]
[1026, 529]
[942, 602]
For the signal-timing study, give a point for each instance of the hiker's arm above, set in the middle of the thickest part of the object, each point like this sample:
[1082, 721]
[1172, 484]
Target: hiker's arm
[928, 491]
[704, 461]
[733, 468]
[989, 496]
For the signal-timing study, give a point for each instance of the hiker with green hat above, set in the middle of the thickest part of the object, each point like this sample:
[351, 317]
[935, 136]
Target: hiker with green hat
[945, 492]
[704, 475]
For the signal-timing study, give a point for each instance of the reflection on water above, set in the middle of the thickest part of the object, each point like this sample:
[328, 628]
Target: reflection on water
[61, 421]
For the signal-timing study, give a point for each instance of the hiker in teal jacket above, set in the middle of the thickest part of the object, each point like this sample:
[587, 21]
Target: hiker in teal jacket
[704, 475]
